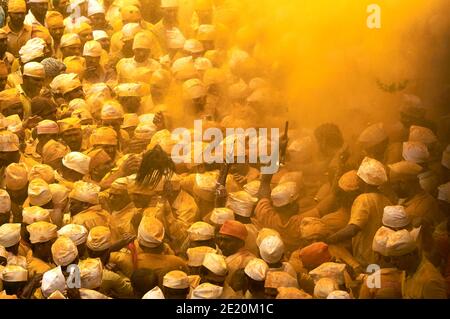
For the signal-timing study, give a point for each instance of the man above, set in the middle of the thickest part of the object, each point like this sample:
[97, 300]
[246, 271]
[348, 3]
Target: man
[422, 208]
[75, 167]
[37, 12]
[112, 116]
[366, 213]
[71, 134]
[141, 66]
[423, 280]
[84, 206]
[9, 149]
[55, 24]
[100, 165]
[176, 285]
[18, 32]
[231, 241]
[6, 57]
[5, 207]
[42, 236]
[3, 75]
[148, 251]
[70, 45]
[16, 183]
[194, 99]
[94, 72]
[14, 279]
[84, 30]
[105, 138]
[96, 13]
[46, 130]
[129, 95]
[78, 234]
[122, 209]
[33, 80]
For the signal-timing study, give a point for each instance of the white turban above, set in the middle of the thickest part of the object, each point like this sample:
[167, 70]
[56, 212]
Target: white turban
[13, 273]
[77, 161]
[193, 89]
[64, 251]
[85, 192]
[91, 271]
[220, 215]
[53, 280]
[241, 203]
[5, 202]
[197, 254]
[395, 217]
[32, 49]
[271, 249]
[266, 232]
[39, 192]
[444, 192]
[329, 270]
[92, 48]
[215, 263]
[41, 232]
[372, 172]
[400, 243]
[380, 239]
[35, 214]
[155, 293]
[207, 291]
[416, 152]
[176, 279]
[201, 231]
[9, 234]
[324, 287]
[150, 232]
[112, 110]
[77, 233]
[339, 294]
[421, 134]
[256, 269]
[284, 194]
[373, 135]
[99, 238]
[252, 187]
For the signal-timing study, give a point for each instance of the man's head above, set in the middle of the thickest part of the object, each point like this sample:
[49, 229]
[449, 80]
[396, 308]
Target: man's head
[403, 178]
[118, 194]
[14, 279]
[17, 10]
[75, 166]
[329, 138]
[103, 38]
[39, 9]
[92, 52]
[99, 242]
[232, 236]
[101, 163]
[55, 25]
[9, 148]
[169, 10]
[142, 281]
[42, 236]
[84, 30]
[70, 45]
[106, 139]
[70, 130]
[33, 78]
[176, 285]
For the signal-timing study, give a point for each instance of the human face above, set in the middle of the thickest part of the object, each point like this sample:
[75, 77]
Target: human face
[105, 43]
[74, 94]
[73, 139]
[76, 206]
[130, 103]
[111, 150]
[86, 36]
[56, 33]
[118, 201]
[97, 20]
[71, 50]
[16, 18]
[92, 63]
[228, 245]
[7, 158]
[170, 15]
[141, 55]
[39, 10]
[33, 85]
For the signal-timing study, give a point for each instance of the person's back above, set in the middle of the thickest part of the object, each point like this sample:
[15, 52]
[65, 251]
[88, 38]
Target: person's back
[367, 214]
[425, 283]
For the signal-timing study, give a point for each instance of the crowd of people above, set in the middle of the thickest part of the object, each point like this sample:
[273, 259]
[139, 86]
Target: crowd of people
[92, 205]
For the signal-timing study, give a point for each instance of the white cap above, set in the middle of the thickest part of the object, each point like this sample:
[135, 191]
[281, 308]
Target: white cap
[193, 46]
[277, 279]
[324, 287]
[91, 271]
[53, 280]
[372, 172]
[5, 202]
[39, 192]
[150, 232]
[421, 134]
[92, 48]
[252, 187]
[444, 192]
[193, 89]
[47, 127]
[215, 263]
[33, 214]
[284, 194]
[94, 7]
[99, 35]
[339, 294]
[256, 269]
[155, 293]
[446, 157]
[373, 135]
[99, 238]
[184, 68]
[169, 3]
[201, 231]
[241, 203]
[64, 251]
[395, 217]
[13, 273]
[329, 270]
[197, 254]
[176, 279]
[41, 232]
[207, 291]
[271, 249]
[32, 49]
[400, 243]
[85, 192]
[266, 232]
[380, 239]
[112, 110]
[220, 215]
[77, 161]
[416, 152]
[9, 234]
[202, 64]
[77, 233]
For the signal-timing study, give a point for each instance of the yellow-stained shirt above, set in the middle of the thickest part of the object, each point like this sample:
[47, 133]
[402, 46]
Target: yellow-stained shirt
[425, 283]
